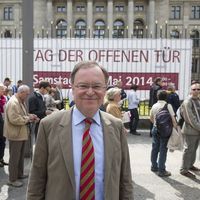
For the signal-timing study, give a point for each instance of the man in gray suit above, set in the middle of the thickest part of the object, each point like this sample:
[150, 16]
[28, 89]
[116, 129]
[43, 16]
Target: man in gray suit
[57, 164]
[191, 131]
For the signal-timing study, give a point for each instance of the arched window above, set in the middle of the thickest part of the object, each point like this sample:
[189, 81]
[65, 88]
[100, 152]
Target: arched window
[175, 34]
[7, 34]
[118, 29]
[80, 29]
[195, 36]
[99, 29]
[61, 28]
[138, 31]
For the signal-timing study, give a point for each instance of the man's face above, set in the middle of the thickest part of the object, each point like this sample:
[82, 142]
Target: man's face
[89, 88]
[44, 90]
[24, 95]
[7, 83]
[195, 90]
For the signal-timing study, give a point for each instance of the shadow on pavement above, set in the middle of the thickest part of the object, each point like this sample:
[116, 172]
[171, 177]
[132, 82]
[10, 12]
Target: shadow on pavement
[186, 192]
[141, 193]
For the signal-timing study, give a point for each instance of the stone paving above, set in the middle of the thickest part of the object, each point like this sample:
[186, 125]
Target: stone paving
[147, 185]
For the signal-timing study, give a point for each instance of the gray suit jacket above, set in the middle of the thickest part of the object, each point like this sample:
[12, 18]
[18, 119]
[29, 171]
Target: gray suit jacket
[52, 171]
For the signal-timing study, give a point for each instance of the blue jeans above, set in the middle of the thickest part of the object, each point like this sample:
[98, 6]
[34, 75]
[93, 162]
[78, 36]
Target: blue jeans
[159, 151]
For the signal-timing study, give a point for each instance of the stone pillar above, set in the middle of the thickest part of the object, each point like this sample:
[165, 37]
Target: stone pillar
[130, 17]
[49, 16]
[90, 18]
[70, 27]
[110, 18]
[151, 17]
[39, 11]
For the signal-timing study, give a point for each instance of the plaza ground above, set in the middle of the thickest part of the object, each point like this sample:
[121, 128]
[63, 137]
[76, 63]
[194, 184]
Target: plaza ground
[147, 185]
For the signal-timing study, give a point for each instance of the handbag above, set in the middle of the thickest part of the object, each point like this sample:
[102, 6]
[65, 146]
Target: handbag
[175, 141]
[126, 117]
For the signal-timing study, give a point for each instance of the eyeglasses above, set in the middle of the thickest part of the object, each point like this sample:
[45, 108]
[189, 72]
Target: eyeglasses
[195, 89]
[95, 87]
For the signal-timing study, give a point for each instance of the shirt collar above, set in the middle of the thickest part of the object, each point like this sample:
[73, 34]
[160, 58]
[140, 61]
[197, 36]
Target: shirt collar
[78, 117]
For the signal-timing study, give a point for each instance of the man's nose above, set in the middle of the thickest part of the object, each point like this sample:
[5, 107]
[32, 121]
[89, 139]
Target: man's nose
[90, 90]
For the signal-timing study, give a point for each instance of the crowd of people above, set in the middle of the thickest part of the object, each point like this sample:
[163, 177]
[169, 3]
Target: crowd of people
[18, 110]
[190, 126]
[87, 144]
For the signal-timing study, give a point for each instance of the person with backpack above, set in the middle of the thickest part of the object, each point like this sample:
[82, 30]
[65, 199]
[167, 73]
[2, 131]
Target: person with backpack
[155, 87]
[163, 118]
[190, 110]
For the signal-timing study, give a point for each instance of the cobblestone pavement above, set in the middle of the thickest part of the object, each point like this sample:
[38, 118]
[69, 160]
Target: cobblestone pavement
[147, 185]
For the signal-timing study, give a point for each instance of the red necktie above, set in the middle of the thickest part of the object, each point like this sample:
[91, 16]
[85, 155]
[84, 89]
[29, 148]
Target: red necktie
[87, 183]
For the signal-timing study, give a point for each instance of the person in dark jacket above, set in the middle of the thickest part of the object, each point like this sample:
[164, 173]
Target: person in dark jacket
[173, 97]
[36, 102]
[155, 87]
[123, 93]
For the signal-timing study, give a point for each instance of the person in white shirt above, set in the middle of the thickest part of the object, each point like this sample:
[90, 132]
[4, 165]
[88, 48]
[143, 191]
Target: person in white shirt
[133, 102]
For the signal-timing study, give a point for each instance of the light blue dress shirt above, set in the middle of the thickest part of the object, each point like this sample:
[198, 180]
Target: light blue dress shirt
[96, 133]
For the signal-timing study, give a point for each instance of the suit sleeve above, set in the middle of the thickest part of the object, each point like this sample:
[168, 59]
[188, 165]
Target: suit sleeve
[126, 183]
[38, 176]
[189, 115]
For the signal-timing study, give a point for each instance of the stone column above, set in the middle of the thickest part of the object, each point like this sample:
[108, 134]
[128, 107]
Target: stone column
[152, 17]
[90, 18]
[49, 16]
[39, 12]
[130, 17]
[70, 27]
[110, 18]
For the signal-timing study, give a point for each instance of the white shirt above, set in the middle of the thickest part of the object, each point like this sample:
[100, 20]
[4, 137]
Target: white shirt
[133, 100]
[96, 133]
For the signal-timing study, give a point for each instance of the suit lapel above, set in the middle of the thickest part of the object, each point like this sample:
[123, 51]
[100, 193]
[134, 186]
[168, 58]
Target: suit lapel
[109, 148]
[65, 138]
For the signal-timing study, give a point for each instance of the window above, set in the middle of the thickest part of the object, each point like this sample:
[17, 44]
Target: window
[118, 29]
[7, 34]
[175, 12]
[61, 29]
[195, 36]
[175, 34]
[119, 8]
[139, 8]
[80, 8]
[61, 9]
[8, 13]
[195, 12]
[195, 64]
[80, 29]
[99, 8]
[99, 30]
[138, 31]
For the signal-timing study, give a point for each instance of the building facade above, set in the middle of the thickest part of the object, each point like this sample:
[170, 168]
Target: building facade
[108, 19]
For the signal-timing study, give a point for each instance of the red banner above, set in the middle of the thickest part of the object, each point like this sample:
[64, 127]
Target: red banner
[143, 80]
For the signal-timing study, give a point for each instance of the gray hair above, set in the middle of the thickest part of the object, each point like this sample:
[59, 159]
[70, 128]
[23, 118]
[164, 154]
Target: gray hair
[110, 94]
[23, 88]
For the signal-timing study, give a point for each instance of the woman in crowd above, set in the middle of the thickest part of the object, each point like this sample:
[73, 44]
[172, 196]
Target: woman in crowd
[111, 102]
[50, 102]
